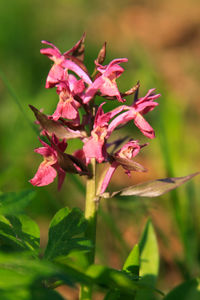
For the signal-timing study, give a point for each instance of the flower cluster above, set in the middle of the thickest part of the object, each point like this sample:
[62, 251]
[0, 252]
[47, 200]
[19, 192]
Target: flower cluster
[76, 90]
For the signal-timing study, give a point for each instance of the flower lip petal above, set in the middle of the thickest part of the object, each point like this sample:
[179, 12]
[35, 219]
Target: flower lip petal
[44, 175]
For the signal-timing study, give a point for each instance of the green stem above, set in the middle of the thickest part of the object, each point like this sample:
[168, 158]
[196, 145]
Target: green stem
[91, 206]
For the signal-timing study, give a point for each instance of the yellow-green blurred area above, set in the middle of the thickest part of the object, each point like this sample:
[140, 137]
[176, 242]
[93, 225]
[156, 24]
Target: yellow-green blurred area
[161, 39]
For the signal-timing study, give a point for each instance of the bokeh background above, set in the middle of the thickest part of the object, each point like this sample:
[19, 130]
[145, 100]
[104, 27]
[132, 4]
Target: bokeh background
[161, 39]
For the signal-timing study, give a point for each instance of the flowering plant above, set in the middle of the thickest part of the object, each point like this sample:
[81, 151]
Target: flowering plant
[70, 253]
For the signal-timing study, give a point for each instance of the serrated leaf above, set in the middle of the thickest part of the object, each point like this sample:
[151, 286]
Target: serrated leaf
[15, 202]
[189, 290]
[149, 260]
[152, 188]
[64, 233]
[19, 233]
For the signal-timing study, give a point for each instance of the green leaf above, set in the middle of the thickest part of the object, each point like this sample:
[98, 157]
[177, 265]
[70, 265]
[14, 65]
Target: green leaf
[115, 295]
[152, 188]
[18, 294]
[131, 266]
[15, 202]
[39, 293]
[20, 270]
[132, 262]
[19, 233]
[64, 233]
[189, 290]
[116, 280]
[149, 257]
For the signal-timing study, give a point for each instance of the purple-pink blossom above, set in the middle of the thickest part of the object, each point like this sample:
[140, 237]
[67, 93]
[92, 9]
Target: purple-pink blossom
[50, 167]
[62, 65]
[67, 106]
[77, 115]
[135, 112]
[106, 81]
[95, 145]
[123, 157]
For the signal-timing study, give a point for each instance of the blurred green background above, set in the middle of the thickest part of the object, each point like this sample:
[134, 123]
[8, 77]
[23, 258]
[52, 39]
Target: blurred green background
[161, 39]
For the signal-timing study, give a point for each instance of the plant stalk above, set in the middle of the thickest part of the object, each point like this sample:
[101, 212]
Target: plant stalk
[91, 206]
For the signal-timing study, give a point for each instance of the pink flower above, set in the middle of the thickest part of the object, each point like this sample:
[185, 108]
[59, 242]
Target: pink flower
[95, 145]
[50, 167]
[123, 157]
[135, 112]
[106, 82]
[67, 107]
[61, 64]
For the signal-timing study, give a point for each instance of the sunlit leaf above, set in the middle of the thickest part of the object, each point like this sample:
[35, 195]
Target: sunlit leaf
[15, 202]
[132, 263]
[131, 266]
[116, 280]
[152, 188]
[189, 290]
[19, 233]
[65, 233]
[21, 270]
[24, 275]
[149, 260]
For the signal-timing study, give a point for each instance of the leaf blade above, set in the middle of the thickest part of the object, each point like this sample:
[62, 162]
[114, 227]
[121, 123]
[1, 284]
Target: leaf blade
[65, 233]
[15, 202]
[149, 260]
[153, 188]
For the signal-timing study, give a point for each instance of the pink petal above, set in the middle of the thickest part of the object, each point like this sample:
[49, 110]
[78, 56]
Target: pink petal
[129, 150]
[108, 176]
[66, 110]
[51, 53]
[44, 175]
[70, 65]
[121, 119]
[55, 75]
[44, 151]
[144, 126]
[92, 89]
[50, 44]
[109, 88]
[94, 149]
[145, 107]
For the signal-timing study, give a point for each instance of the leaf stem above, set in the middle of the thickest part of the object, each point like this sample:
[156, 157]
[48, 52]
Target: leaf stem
[91, 206]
